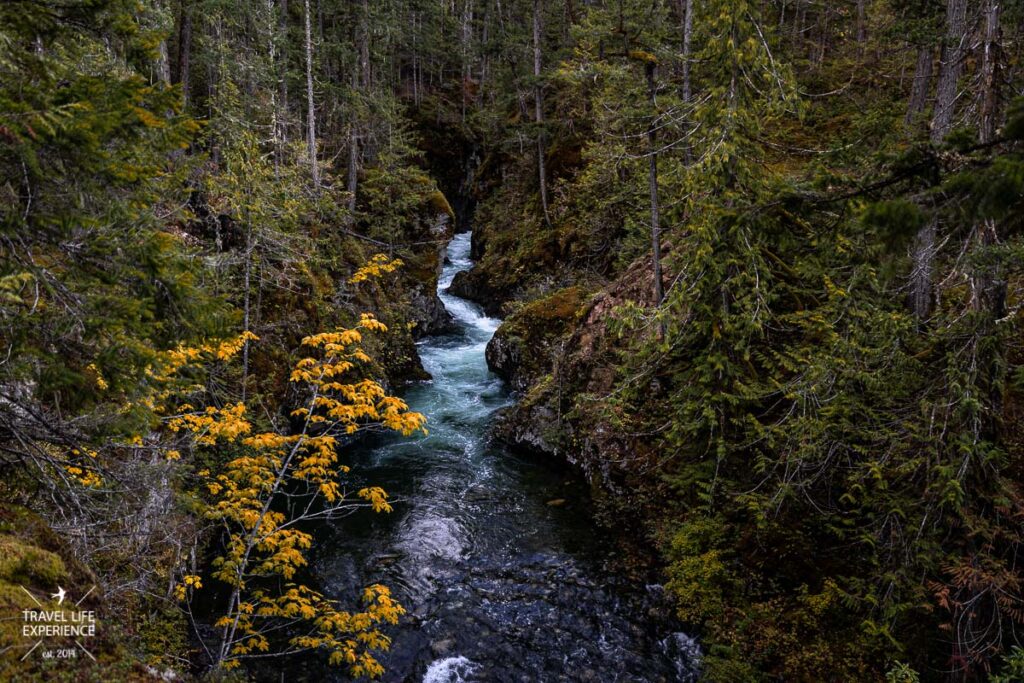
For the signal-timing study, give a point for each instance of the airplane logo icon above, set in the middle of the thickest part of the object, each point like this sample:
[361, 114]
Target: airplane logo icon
[60, 594]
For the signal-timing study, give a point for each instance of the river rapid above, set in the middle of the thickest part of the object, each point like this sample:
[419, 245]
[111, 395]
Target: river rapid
[493, 555]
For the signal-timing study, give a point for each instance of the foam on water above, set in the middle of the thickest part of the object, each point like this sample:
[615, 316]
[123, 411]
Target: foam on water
[466, 312]
[450, 670]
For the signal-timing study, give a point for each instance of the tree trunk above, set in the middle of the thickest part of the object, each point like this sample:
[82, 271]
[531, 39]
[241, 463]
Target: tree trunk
[310, 111]
[989, 290]
[415, 60]
[484, 60]
[364, 44]
[652, 182]
[320, 27]
[823, 36]
[539, 109]
[942, 123]
[921, 85]
[949, 70]
[990, 74]
[162, 65]
[215, 70]
[797, 33]
[352, 185]
[184, 49]
[921, 277]
[282, 73]
[465, 36]
[862, 30]
[246, 321]
[275, 110]
[360, 83]
[924, 242]
[686, 7]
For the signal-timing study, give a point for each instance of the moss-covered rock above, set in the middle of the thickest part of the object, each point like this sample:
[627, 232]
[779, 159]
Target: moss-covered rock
[423, 270]
[564, 364]
[522, 349]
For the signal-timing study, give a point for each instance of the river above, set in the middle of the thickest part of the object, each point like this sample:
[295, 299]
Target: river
[493, 555]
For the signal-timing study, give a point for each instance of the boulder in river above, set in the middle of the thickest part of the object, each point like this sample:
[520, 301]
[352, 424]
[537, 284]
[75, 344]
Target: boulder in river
[522, 349]
[426, 312]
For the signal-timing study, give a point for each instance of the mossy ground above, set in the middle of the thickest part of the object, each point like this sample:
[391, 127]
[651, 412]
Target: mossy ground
[34, 562]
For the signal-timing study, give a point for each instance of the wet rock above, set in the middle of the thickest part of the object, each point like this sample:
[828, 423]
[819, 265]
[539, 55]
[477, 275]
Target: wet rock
[429, 315]
[441, 648]
[533, 429]
[472, 285]
[505, 358]
[401, 360]
[477, 245]
[522, 349]
[386, 559]
[553, 372]
[426, 312]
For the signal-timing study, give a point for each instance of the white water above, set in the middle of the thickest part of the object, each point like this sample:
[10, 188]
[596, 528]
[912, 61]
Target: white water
[464, 311]
[449, 670]
[458, 402]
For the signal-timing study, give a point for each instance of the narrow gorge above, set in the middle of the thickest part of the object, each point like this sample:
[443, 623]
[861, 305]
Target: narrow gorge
[512, 341]
[495, 555]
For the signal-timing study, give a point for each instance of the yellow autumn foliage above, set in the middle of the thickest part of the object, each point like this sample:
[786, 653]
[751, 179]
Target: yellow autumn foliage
[377, 266]
[263, 542]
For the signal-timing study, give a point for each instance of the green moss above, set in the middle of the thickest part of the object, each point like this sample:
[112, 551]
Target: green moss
[547, 315]
[642, 56]
[24, 564]
[531, 336]
[421, 268]
[562, 305]
[440, 203]
[538, 391]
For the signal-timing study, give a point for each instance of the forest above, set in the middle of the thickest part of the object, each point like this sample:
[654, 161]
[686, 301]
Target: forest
[743, 280]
